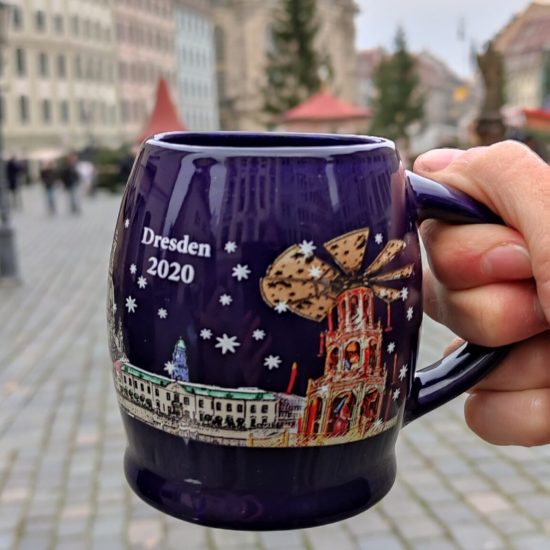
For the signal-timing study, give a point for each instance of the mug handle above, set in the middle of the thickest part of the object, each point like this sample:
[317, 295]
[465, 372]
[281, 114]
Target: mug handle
[465, 367]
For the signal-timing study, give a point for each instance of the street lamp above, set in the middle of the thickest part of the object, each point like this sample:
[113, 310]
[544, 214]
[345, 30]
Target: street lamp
[9, 272]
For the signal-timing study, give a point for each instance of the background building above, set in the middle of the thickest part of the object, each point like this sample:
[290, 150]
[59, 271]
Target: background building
[196, 69]
[145, 52]
[450, 102]
[59, 82]
[243, 39]
[525, 46]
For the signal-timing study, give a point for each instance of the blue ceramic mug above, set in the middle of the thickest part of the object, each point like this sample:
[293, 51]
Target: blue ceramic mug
[264, 315]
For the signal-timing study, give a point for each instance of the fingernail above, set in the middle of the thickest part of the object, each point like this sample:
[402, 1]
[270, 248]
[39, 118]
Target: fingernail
[436, 160]
[507, 261]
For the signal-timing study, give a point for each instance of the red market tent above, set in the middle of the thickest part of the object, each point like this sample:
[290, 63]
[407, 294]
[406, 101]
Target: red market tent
[324, 106]
[165, 117]
[324, 112]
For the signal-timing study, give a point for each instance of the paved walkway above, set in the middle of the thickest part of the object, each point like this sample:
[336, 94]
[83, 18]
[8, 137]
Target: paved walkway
[61, 438]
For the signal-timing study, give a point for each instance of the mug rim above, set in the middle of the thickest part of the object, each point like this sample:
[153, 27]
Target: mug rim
[220, 142]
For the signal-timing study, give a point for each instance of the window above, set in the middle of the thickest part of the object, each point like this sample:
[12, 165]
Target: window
[229, 407]
[20, 62]
[43, 65]
[240, 408]
[61, 66]
[58, 23]
[141, 385]
[17, 18]
[156, 392]
[219, 39]
[186, 400]
[78, 66]
[149, 389]
[264, 409]
[253, 409]
[75, 24]
[40, 21]
[201, 403]
[168, 396]
[24, 109]
[218, 406]
[82, 113]
[46, 111]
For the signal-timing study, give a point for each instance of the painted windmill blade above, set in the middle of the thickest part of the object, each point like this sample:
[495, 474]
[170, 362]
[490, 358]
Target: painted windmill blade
[395, 275]
[391, 250]
[300, 283]
[349, 250]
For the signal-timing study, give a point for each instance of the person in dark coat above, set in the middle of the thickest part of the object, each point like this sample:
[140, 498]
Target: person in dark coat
[70, 178]
[13, 173]
[49, 176]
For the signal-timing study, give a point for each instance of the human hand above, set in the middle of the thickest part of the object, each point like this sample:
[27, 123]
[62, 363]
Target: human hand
[491, 284]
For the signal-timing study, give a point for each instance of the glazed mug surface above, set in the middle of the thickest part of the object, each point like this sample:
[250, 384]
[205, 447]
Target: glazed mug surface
[264, 314]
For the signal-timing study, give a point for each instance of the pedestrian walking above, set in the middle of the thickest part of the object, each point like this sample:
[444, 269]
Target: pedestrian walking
[71, 181]
[13, 173]
[49, 176]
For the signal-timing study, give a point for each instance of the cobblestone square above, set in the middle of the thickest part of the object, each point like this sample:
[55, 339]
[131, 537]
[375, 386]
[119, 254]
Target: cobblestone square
[62, 441]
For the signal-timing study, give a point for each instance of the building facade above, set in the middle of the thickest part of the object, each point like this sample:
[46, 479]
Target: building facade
[145, 33]
[59, 81]
[525, 46]
[196, 70]
[243, 40]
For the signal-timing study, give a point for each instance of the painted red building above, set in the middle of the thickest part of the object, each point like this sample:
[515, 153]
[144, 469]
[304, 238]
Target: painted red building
[347, 399]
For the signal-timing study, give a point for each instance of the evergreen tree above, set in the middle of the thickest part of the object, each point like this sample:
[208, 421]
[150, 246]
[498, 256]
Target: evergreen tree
[293, 66]
[399, 102]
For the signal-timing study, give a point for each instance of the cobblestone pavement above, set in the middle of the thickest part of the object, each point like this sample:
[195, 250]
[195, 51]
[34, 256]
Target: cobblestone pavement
[61, 438]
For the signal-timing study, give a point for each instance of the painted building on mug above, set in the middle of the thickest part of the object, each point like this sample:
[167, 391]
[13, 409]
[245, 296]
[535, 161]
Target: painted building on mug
[348, 399]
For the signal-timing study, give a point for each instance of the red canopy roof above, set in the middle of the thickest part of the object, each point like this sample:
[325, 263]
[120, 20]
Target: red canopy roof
[324, 106]
[164, 117]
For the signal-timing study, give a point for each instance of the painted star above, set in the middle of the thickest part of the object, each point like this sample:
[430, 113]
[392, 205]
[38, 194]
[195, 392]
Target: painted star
[142, 282]
[169, 367]
[272, 362]
[379, 238]
[227, 344]
[131, 305]
[391, 347]
[133, 269]
[281, 307]
[206, 334]
[126, 223]
[404, 293]
[410, 313]
[258, 334]
[396, 394]
[241, 272]
[307, 248]
[230, 247]
[315, 272]
[226, 300]
[403, 372]
[162, 313]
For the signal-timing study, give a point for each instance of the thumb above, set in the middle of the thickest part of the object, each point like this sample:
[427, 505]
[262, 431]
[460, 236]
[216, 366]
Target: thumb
[512, 181]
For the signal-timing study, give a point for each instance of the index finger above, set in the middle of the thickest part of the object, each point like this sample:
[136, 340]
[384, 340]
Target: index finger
[515, 183]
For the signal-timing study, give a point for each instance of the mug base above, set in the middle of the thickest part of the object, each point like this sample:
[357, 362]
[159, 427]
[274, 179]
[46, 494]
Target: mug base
[261, 489]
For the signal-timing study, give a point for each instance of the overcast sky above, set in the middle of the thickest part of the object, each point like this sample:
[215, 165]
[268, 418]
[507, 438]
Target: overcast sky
[434, 25]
